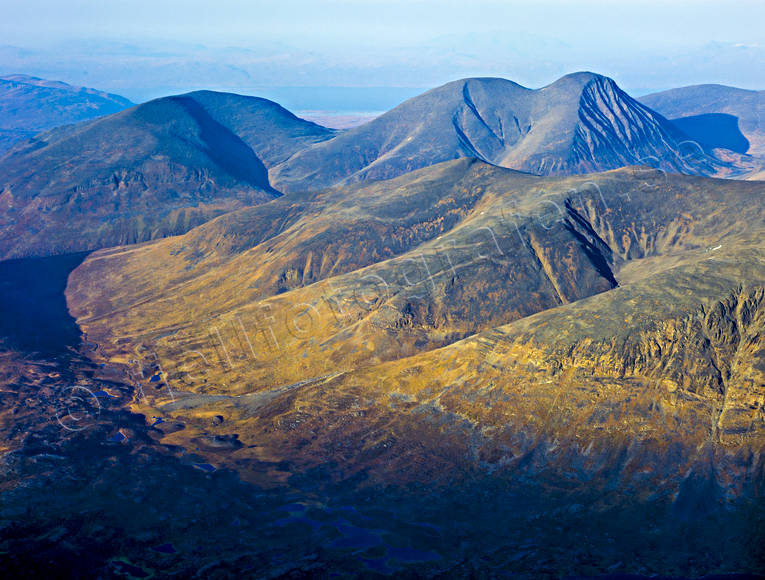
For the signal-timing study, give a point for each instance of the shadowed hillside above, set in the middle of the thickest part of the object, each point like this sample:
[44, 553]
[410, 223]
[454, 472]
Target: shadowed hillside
[747, 106]
[151, 171]
[270, 130]
[713, 130]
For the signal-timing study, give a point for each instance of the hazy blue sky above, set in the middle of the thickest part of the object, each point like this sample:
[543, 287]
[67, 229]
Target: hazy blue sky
[144, 48]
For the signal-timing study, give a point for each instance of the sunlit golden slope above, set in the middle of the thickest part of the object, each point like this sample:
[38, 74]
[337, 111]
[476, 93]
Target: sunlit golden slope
[615, 309]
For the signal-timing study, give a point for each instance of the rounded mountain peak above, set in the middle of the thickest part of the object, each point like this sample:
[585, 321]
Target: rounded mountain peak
[577, 81]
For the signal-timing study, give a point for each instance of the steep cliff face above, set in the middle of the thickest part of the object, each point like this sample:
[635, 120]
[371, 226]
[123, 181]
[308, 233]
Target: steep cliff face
[735, 329]
[713, 353]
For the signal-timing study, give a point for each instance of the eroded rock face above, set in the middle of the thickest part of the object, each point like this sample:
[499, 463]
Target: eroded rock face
[615, 130]
[734, 329]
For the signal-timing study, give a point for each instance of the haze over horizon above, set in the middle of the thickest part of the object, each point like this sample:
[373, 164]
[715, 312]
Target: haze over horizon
[369, 56]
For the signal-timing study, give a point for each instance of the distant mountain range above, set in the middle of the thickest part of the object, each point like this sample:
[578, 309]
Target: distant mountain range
[162, 167]
[29, 105]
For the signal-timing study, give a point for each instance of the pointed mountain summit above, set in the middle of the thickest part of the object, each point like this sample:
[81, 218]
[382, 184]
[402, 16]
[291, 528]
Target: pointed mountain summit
[580, 123]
